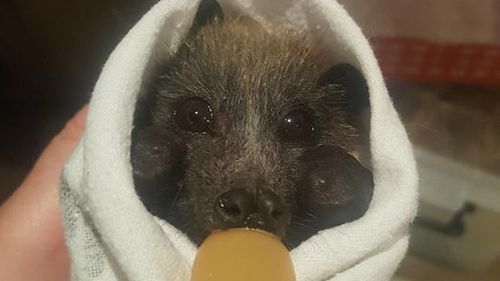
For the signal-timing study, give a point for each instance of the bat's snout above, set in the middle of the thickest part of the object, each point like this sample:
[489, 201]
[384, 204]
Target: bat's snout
[254, 208]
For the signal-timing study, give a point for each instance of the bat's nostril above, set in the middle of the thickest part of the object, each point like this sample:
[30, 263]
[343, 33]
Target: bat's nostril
[271, 205]
[229, 208]
[234, 206]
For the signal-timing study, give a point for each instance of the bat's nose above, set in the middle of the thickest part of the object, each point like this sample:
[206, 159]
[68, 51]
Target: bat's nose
[255, 208]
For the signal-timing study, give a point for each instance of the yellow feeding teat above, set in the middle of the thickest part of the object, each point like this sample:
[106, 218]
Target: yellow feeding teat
[242, 255]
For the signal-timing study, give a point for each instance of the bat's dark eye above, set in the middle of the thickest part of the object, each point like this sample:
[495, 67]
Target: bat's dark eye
[194, 115]
[297, 126]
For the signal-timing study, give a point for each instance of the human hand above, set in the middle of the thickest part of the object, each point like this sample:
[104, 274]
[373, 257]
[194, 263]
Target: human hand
[32, 245]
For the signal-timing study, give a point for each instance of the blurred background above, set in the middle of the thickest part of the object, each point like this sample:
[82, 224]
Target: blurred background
[441, 60]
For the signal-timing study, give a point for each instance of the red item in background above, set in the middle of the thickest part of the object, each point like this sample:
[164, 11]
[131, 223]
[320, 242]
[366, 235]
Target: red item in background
[433, 41]
[423, 61]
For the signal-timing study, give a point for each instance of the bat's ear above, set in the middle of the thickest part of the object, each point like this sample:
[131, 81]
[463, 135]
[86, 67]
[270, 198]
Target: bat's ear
[350, 82]
[209, 11]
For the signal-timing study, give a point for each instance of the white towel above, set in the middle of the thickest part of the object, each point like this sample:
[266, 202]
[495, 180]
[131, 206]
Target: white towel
[110, 234]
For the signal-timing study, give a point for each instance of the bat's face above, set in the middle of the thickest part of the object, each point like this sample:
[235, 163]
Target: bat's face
[245, 129]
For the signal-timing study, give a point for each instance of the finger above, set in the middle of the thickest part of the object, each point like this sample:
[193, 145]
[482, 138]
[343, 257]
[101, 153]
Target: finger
[31, 233]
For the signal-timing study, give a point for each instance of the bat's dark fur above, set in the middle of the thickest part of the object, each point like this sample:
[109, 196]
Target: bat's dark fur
[252, 80]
